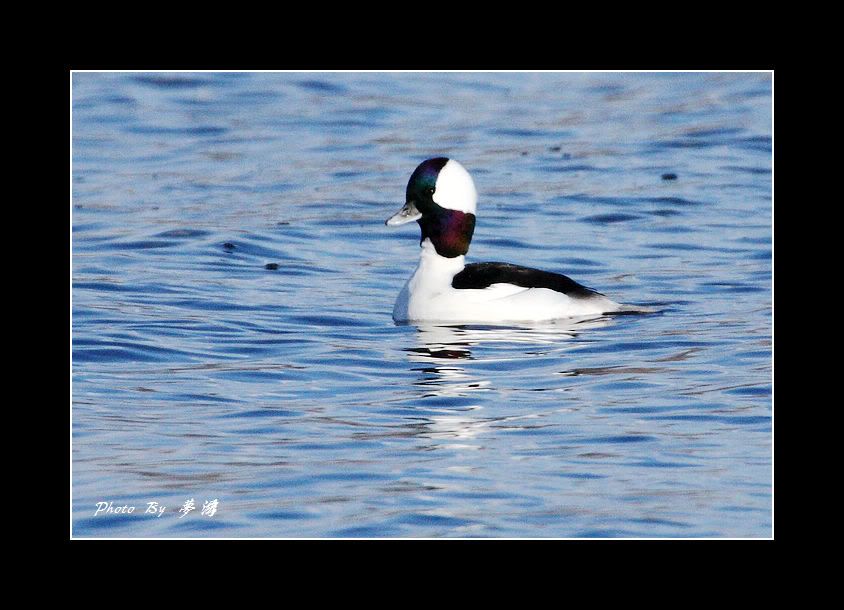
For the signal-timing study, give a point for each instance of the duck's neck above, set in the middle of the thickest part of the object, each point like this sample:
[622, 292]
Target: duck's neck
[449, 231]
[432, 262]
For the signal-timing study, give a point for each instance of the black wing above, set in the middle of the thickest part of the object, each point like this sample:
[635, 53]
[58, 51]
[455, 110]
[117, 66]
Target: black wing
[481, 275]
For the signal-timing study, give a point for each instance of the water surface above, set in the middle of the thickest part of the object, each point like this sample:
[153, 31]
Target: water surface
[233, 282]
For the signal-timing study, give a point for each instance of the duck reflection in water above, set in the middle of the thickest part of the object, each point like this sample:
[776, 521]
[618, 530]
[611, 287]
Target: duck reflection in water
[451, 388]
[455, 342]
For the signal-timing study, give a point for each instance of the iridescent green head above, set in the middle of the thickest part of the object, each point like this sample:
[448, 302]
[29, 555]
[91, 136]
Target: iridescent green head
[442, 198]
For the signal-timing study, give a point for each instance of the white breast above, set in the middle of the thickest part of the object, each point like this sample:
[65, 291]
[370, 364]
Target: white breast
[429, 296]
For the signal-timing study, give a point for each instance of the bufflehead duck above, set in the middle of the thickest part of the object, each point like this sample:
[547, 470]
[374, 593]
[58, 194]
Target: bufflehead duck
[441, 197]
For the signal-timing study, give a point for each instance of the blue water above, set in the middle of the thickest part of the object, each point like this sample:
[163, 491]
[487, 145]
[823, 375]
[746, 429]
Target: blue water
[233, 283]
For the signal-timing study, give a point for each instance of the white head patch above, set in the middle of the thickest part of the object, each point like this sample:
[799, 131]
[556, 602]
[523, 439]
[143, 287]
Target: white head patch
[455, 188]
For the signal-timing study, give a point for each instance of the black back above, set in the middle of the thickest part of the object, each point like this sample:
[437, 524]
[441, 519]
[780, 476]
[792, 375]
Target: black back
[481, 275]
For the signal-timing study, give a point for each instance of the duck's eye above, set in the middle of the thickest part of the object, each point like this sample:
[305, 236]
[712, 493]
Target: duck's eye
[431, 190]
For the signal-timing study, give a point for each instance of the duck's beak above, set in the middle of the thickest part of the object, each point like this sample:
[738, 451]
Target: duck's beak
[408, 213]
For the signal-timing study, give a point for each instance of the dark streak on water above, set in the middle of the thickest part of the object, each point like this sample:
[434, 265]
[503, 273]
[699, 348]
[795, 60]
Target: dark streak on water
[233, 283]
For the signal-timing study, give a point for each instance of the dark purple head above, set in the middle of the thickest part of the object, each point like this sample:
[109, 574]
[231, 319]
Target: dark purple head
[441, 197]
